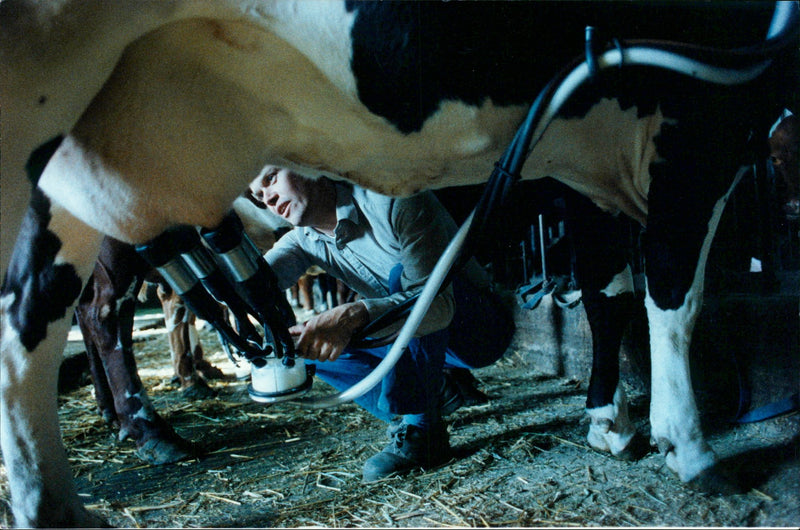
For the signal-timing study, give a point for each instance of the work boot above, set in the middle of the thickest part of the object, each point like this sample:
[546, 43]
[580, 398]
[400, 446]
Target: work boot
[466, 386]
[409, 448]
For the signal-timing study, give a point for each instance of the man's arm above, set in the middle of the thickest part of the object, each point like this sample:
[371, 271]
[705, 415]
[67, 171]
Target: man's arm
[324, 336]
[288, 260]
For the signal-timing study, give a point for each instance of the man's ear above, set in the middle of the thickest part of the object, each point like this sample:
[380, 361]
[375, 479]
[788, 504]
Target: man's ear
[260, 205]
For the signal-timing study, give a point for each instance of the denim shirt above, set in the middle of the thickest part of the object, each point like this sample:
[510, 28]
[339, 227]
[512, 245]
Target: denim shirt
[373, 234]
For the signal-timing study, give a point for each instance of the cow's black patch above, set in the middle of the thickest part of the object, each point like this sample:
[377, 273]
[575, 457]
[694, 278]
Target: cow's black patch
[43, 291]
[601, 243]
[701, 153]
[409, 57]
[41, 156]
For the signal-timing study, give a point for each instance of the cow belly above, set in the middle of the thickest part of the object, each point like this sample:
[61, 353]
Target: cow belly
[223, 108]
[177, 90]
[605, 155]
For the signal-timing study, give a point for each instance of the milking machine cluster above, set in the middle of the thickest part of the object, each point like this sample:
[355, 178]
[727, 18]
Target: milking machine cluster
[208, 268]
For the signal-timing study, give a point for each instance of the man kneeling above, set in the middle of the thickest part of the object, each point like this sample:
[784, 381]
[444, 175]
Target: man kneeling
[384, 249]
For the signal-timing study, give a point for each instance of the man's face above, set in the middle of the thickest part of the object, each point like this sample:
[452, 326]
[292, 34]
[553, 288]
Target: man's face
[284, 193]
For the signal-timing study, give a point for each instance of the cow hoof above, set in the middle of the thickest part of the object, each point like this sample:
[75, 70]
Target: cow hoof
[94, 521]
[157, 451]
[109, 417]
[198, 390]
[664, 445]
[636, 449]
[714, 481]
[210, 371]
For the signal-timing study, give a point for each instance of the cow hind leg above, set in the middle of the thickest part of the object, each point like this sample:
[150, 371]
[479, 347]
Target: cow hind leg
[156, 441]
[102, 390]
[53, 257]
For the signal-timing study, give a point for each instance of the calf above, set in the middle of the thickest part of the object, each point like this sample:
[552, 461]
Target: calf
[132, 117]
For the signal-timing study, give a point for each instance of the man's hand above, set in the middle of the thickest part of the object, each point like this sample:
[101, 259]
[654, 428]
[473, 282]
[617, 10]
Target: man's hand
[324, 336]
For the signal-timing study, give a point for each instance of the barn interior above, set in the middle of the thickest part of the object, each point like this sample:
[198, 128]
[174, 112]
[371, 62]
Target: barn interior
[522, 458]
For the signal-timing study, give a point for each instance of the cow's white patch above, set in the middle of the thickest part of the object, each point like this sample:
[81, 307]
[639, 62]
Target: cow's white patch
[15, 360]
[321, 31]
[604, 155]
[620, 283]
[29, 430]
[194, 336]
[610, 428]
[129, 296]
[674, 419]
[172, 322]
[224, 109]
[146, 411]
[83, 184]
[675, 423]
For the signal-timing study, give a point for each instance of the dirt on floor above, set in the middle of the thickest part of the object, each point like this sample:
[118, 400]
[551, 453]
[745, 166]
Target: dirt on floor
[520, 460]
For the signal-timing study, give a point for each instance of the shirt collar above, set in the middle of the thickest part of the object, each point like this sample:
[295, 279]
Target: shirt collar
[347, 225]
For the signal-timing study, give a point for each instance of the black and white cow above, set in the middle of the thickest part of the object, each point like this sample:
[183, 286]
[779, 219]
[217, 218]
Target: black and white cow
[135, 116]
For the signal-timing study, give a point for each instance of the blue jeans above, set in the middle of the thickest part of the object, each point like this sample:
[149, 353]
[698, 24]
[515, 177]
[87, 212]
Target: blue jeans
[478, 336]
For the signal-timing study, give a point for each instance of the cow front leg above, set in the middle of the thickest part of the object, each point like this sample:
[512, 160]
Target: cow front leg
[606, 284]
[676, 254]
[610, 427]
[674, 418]
[53, 257]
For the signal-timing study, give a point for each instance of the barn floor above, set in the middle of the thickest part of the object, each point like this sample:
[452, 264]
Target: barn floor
[521, 460]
